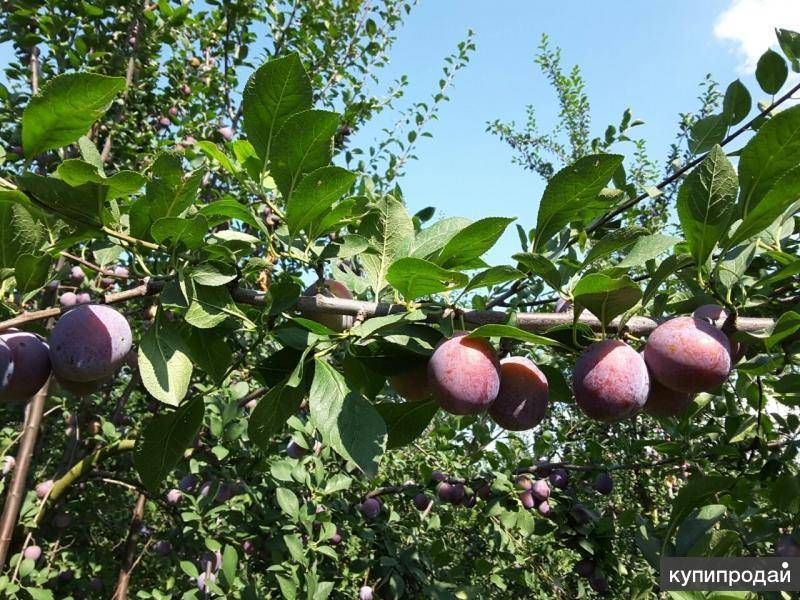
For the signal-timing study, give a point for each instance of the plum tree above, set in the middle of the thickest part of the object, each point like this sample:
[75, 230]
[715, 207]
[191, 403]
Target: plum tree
[6, 365]
[688, 355]
[30, 355]
[464, 375]
[330, 288]
[521, 402]
[610, 381]
[89, 343]
[663, 402]
[603, 483]
[717, 316]
[412, 384]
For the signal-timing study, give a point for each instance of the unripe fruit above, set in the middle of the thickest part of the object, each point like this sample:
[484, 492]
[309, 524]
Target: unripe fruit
[76, 275]
[83, 298]
[174, 496]
[68, 299]
[559, 478]
[663, 402]
[522, 399]
[422, 501]
[295, 450]
[173, 111]
[186, 90]
[33, 553]
[89, 342]
[6, 365]
[540, 490]
[9, 463]
[527, 500]
[331, 288]
[603, 483]
[30, 355]
[688, 355]
[370, 508]
[610, 381]
[164, 122]
[365, 593]
[413, 384]
[226, 133]
[464, 375]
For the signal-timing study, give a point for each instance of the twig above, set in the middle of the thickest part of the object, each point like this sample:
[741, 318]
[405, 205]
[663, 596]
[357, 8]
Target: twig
[103, 271]
[8, 521]
[128, 562]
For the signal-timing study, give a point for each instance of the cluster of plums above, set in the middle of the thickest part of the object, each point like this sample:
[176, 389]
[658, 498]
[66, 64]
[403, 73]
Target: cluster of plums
[611, 380]
[86, 347]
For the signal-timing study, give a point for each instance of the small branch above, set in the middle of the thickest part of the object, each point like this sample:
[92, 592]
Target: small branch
[131, 240]
[254, 395]
[128, 560]
[93, 267]
[8, 521]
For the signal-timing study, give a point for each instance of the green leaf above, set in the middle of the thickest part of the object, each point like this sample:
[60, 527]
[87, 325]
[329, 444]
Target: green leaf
[65, 109]
[646, 248]
[210, 306]
[77, 172]
[31, 271]
[472, 242]
[375, 324]
[771, 72]
[494, 276]
[405, 421]
[275, 91]
[613, 241]
[787, 324]
[315, 194]
[209, 351]
[212, 151]
[432, 239]
[164, 363]
[180, 231]
[705, 203]
[695, 493]
[345, 419]
[696, 525]
[288, 502]
[231, 209]
[737, 103]
[790, 45]
[733, 264]
[213, 273]
[81, 205]
[513, 333]
[574, 192]
[388, 228]
[164, 440]
[304, 144]
[605, 297]
[20, 233]
[540, 266]
[272, 411]
[230, 560]
[415, 278]
[345, 247]
[775, 202]
[707, 132]
[768, 156]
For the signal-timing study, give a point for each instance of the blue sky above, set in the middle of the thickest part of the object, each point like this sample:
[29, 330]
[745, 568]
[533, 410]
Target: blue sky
[649, 56]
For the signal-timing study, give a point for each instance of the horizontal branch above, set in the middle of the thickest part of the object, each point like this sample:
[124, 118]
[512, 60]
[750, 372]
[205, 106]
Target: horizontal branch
[537, 322]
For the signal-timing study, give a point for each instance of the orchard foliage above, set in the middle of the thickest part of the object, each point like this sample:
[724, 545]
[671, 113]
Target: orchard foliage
[282, 383]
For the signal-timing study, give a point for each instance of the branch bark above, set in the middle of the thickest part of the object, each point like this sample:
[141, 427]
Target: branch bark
[128, 559]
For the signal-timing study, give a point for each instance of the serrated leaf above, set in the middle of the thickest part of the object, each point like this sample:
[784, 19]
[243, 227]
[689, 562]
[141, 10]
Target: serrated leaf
[288, 501]
[209, 306]
[31, 271]
[231, 209]
[605, 297]
[20, 233]
[180, 231]
[209, 351]
[432, 239]
[494, 276]
[388, 229]
[775, 202]
[415, 278]
[163, 441]
[315, 194]
[472, 242]
[65, 109]
[613, 242]
[164, 363]
[790, 45]
[707, 132]
[646, 248]
[540, 266]
[696, 525]
[79, 205]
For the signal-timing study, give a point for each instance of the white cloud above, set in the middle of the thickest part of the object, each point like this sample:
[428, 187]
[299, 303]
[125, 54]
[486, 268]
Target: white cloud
[750, 26]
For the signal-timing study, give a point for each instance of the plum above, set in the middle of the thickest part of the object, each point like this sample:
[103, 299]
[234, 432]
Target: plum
[295, 450]
[438, 476]
[527, 500]
[6, 365]
[121, 271]
[96, 584]
[226, 133]
[90, 342]
[203, 581]
[663, 402]
[457, 493]
[30, 355]
[523, 482]
[610, 381]
[688, 355]
[83, 298]
[464, 375]
[164, 122]
[559, 478]
[33, 553]
[173, 111]
[584, 567]
[603, 483]
[787, 546]
[484, 492]
[412, 384]
[76, 275]
[9, 463]
[187, 483]
[443, 491]
[544, 508]
[540, 490]
[330, 288]
[68, 299]
[370, 508]
[336, 538]
[717, 316]
[186, 90]
[522, 400]
[162, 547]
[365, 593]
[470, 500]
[598, 582]
[174, 496]
[82, 388]
[422, 501]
